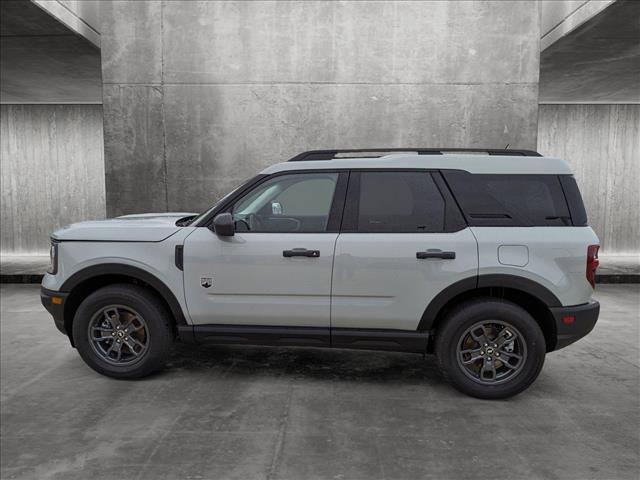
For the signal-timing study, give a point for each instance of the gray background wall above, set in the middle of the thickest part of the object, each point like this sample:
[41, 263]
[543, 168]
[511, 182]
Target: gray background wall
[51, 135]
[599, 141]
[51, 159]
[200, 95]
[43, 61]
[602, 145]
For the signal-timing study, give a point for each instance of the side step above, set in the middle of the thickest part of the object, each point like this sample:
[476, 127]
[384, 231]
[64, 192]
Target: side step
[348, 338]
[380, 339]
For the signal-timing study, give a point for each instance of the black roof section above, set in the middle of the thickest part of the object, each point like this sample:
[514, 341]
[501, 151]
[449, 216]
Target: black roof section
[379, 152]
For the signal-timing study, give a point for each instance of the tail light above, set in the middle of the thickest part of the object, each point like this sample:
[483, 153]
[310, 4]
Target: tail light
[592, 263]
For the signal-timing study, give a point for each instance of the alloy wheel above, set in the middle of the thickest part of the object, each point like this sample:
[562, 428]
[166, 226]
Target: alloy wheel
[491, 352]
[118, 335]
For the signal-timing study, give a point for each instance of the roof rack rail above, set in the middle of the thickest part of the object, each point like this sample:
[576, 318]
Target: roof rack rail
[379, 152]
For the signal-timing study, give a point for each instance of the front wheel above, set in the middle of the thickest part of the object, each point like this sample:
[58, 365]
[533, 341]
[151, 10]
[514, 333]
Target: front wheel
[490, 349]
[123, 331]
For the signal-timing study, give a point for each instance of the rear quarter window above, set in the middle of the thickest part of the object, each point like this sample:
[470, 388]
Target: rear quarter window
[574, 200]
[510, 200]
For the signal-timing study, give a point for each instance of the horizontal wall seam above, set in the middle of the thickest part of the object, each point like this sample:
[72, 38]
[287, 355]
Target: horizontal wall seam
[590, 103]
[35, 35]
[50, 103]
[164, 84]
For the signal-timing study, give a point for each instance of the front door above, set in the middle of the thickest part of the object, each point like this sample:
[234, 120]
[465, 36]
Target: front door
[403, 241]
[276, 269]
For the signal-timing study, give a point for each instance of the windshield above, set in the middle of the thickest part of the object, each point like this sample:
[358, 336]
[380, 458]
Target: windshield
[222, 200]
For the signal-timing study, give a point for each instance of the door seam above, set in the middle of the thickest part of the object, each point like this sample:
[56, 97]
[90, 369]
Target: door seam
[333, 262]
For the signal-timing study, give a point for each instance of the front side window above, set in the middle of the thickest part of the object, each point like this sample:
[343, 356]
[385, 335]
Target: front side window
[287, 203]
[398, 202]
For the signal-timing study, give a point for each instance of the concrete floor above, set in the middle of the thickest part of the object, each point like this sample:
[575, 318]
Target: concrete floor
[252, 413]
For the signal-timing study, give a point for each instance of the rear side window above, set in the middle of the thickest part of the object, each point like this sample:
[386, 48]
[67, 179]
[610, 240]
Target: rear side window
[510, 200]
[574, 199]
[394, 202]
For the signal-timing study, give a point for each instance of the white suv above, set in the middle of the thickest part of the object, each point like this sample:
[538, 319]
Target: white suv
[483, 258]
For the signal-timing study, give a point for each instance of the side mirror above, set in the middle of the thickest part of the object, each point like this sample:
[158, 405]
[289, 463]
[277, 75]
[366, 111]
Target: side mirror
[224, 225]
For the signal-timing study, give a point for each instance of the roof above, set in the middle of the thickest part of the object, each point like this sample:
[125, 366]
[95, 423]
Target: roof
[497, 164]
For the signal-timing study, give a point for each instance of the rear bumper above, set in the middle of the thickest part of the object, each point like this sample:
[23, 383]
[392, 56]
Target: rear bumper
[573, 323]
[55, 309]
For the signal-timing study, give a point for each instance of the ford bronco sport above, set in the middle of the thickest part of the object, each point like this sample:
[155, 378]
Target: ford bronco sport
[484, 258]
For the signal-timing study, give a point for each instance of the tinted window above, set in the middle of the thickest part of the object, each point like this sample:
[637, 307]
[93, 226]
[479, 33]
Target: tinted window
[287, 203]
[574, 199]
[510, 200]
[398, 202]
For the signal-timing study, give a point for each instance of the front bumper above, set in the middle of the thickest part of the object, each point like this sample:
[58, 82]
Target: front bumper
[573, 323]
[55, 309]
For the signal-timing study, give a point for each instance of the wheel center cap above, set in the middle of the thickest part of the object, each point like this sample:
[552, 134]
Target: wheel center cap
[120, 334]
[489, 350]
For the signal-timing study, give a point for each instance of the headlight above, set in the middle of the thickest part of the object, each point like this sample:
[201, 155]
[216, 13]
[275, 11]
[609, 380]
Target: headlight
[53, 259]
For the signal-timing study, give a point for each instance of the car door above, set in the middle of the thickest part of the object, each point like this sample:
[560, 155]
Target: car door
[276, 269]
[403, 240]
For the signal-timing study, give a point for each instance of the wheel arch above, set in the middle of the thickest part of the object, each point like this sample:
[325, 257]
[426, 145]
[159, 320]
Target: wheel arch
[536, 299]
[88, 280]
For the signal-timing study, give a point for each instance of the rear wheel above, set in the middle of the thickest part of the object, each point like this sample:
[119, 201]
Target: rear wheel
[490, 348]
[123, 331]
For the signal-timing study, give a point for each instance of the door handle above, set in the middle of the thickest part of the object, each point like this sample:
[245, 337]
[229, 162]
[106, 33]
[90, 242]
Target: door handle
[301, 252]
[433, 253]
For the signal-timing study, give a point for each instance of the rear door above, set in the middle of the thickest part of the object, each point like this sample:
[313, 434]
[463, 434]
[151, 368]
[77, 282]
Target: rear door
[403, 240]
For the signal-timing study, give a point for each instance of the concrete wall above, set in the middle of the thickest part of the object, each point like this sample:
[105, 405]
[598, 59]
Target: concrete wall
[559, 18]
[43, 61]
[601, 144]
[200, 95]
[598, 62]
[51, 158]
[81, 16]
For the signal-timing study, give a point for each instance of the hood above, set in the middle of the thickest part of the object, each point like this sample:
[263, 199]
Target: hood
[145, 227]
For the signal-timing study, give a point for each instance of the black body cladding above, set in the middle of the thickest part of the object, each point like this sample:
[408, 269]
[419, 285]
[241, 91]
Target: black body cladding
[179, 257]
[117, 269]
[349, 338]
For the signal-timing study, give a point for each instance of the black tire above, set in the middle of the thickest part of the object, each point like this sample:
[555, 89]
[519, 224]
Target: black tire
[158, 335]
[456, 329]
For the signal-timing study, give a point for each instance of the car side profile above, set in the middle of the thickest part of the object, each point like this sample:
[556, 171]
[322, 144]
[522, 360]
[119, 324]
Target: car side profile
[484, 258]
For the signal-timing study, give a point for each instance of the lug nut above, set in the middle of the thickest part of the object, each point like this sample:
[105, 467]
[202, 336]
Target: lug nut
[481, 352]
[497, 354]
